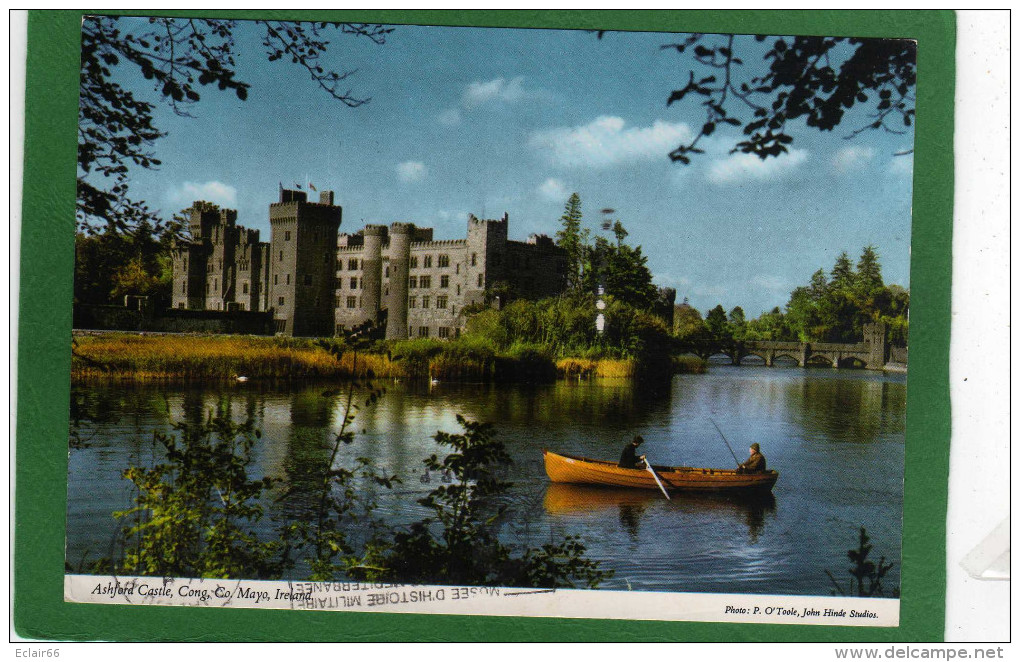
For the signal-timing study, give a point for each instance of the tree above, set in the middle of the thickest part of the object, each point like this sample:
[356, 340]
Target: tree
[716, 322]
[842, 273]
[117, 130]
[687, 323]
[574, 240]
[737, 323]
[869, 271]
[814, 79]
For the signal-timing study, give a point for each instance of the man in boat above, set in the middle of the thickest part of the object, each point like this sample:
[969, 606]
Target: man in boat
[630, 459]
[754, 464]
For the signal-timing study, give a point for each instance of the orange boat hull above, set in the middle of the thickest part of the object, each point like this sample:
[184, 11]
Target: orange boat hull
[585, 471]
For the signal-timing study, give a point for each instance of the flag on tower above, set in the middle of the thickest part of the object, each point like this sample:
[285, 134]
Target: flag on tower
[312, 186]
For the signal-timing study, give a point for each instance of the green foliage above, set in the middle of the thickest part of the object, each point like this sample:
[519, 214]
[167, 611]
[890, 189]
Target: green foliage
[110, 264]
[561, 327]
[837, 308]
[194, 511]
[814, 80]
[865, 575]
[458, 542]
[574, 240]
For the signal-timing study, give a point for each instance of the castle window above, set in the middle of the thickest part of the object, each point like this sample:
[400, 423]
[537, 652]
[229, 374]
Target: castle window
[457, 268]
[441, 302]
[387, 271]
[412, 302]
[276, 279]
[458, 288]
[423, 332]
[280, 301]
[352, 263]
[288, 279]
[414, 261]
[337, 302]
[425, 281]
[387, 291]
[444, 260]
[184, 288]
[339, 265]
[244, 288]
[354, 283]
[425, 302]
[444, 332]
[308, 279]
[444, 281]
[281, 256]
[181, 305]
[215, 284]
[352, 302]
[286, 235]
[481, 280]
[428, 261]
[412, 282]
[474, 259]
[456, 332]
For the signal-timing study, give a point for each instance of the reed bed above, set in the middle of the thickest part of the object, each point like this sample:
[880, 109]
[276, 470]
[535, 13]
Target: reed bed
[586, 368]
[166, 357]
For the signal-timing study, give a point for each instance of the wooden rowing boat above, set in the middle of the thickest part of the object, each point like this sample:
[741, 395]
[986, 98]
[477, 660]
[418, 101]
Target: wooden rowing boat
[562, 468]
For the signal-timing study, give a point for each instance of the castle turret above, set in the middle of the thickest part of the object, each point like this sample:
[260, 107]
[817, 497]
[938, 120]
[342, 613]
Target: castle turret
[371, 296]
[400, 249]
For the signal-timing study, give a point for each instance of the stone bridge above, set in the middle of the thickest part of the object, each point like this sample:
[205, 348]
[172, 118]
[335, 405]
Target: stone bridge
[871, 354]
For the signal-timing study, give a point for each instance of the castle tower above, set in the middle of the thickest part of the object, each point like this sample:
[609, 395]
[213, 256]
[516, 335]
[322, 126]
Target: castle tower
[486, 255]
[371, 261]
[874, 338]
[396, 303]
[302, 254]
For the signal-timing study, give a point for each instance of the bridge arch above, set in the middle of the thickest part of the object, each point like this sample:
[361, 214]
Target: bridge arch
[852, 362]
[821, 359]
[786, 357]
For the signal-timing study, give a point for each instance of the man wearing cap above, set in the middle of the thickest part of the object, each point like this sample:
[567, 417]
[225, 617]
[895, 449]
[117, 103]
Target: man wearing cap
[630, 459]
[754, 464]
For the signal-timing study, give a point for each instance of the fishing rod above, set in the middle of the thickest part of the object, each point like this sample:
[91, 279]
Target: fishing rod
[735, 458]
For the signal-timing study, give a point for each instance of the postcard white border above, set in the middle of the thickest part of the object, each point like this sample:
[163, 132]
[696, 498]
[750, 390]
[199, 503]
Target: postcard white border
[483, 601]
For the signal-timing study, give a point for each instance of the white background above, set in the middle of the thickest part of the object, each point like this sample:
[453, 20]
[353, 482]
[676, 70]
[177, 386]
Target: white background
[980, 360]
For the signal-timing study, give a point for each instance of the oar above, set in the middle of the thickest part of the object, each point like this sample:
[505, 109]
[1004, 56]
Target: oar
[735, 458]
[657, 481]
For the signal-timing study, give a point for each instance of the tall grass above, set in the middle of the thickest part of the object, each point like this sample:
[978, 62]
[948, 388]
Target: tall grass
[221, 358]
[164, 357]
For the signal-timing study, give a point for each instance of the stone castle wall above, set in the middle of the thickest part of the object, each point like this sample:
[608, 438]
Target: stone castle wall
[317, 282]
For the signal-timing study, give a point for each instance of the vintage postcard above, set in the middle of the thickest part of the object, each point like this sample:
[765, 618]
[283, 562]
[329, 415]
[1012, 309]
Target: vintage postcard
[525, 321]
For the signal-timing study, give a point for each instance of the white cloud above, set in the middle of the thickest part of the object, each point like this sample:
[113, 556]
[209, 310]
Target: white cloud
[743, 167]
[449, 117]
[212, 191]
[852, 157]
[495, 90]
[411, 171]
[607, 141]
[492, 93]
[554, 189]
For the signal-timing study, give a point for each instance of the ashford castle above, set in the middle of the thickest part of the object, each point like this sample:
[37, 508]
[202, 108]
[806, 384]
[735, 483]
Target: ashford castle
[317, 281]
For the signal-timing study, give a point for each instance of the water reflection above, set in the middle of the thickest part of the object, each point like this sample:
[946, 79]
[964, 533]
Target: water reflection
[836, 437]
[749, 510]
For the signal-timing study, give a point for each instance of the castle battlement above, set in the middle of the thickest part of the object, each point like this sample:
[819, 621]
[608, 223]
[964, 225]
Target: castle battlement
[318, 281]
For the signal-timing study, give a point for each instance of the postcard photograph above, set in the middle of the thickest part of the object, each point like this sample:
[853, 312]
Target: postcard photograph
[464, 320]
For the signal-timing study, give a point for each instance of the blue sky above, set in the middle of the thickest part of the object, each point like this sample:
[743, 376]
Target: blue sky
[483, 121]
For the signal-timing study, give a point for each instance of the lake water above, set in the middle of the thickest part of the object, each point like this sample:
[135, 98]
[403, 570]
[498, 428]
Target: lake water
[836, 437]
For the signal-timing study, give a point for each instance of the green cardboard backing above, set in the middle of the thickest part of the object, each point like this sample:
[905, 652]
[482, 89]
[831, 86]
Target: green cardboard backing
[47, 254]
